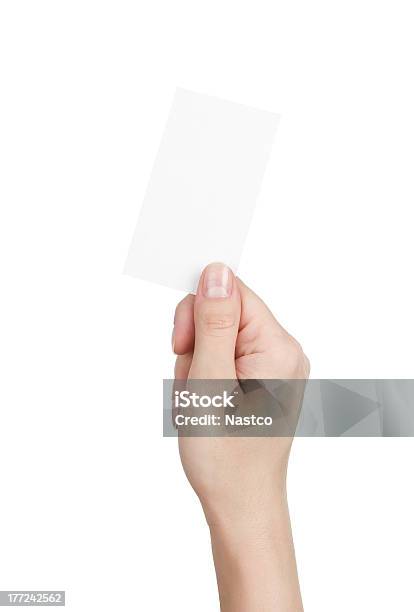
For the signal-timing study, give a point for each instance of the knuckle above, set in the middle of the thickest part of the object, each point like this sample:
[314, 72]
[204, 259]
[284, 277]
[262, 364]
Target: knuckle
[293, 356]
[307, 366]
[182, 306]
[217, 323]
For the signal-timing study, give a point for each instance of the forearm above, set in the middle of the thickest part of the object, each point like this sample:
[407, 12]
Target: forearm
[255, 562]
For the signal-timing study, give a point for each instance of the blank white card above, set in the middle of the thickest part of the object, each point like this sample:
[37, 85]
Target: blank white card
[202, 191]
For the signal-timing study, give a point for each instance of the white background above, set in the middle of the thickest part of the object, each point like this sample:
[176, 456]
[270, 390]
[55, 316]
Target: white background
[92, 499]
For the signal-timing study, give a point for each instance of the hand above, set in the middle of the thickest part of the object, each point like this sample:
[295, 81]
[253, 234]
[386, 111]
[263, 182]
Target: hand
[227, 332]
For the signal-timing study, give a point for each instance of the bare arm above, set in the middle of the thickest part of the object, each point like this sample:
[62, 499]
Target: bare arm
[227, 332]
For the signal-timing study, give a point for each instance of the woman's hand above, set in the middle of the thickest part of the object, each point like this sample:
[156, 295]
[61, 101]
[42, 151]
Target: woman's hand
[227, 332]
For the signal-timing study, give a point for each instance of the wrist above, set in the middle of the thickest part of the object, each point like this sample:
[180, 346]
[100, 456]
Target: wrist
[254, 525]
[248, 511]
[250, 555]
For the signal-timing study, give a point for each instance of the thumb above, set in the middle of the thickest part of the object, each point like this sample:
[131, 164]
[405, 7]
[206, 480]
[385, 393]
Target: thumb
[217, 309]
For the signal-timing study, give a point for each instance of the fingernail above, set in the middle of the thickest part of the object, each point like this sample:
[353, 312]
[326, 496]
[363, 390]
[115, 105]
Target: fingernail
[217, 282]
[173, 340]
